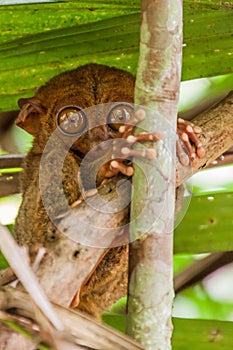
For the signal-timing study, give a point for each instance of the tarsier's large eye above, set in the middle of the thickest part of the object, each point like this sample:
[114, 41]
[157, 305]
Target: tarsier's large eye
[71, 120]
[119, 115]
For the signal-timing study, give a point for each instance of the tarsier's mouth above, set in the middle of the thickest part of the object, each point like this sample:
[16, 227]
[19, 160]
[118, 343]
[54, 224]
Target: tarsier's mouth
[78, 153]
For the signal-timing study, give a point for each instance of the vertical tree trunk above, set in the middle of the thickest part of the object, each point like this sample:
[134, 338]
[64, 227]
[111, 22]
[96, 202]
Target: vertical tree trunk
[152, 210]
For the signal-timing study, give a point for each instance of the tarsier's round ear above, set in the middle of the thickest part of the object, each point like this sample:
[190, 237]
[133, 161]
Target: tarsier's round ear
[30, 114]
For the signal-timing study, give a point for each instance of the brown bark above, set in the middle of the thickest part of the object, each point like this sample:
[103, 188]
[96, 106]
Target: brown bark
[11, 161]
[225, 159]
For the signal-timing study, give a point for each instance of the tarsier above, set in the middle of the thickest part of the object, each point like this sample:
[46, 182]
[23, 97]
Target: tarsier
[61, 103]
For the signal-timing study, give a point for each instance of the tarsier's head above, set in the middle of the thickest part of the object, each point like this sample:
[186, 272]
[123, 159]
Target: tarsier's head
[88, 104]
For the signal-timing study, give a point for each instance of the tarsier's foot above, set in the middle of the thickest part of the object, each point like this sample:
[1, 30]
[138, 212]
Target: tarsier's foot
[188, 133]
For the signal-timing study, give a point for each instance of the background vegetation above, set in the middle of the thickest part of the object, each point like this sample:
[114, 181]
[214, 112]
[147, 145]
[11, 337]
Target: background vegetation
[39, 41]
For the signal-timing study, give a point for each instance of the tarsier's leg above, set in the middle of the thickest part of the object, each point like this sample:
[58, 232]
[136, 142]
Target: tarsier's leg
[188, 133]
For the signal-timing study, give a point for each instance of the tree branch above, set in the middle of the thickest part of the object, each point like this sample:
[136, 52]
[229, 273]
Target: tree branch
[85, 331]
[11, 161]
[216, 136]
[150, 296]
[200, 269]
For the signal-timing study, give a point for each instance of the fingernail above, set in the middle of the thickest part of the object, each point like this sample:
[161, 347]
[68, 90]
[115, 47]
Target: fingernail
[129, 171]
[125, 150]
[189, 128]
[122, 129]
[131, 139]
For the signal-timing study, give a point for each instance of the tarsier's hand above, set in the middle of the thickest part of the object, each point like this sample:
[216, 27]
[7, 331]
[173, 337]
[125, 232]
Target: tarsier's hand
[123, 147]
[187, 133]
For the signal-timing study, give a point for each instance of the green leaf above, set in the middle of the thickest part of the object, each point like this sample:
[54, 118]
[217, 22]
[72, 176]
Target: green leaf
[20, 2]
[66, 34]
[116, 321]
[207, 226]
[198, 334]
[202, 334]
[3, 262]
